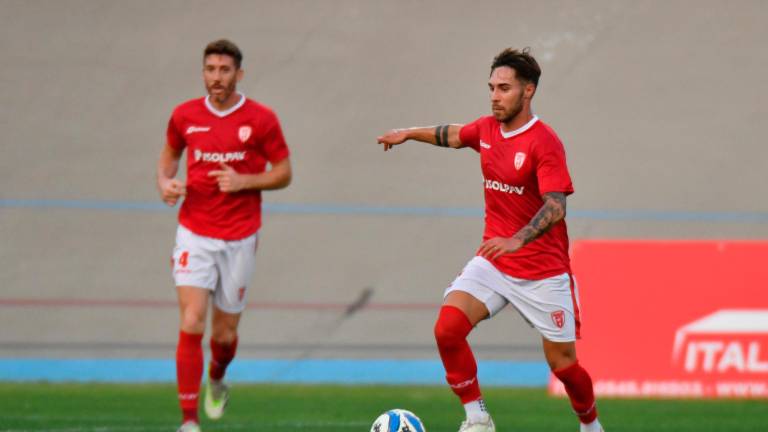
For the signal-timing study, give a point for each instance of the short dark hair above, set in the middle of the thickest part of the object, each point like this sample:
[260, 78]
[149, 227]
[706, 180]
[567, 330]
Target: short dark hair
[224, 47]
[525, 66]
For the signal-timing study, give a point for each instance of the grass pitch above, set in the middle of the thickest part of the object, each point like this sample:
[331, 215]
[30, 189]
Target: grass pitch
[266, 408]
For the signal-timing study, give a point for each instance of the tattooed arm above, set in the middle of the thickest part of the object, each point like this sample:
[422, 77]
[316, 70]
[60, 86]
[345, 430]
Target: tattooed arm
[441, 136]
[552, 212]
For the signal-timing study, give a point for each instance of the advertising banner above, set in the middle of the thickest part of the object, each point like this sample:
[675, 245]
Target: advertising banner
[673, 318]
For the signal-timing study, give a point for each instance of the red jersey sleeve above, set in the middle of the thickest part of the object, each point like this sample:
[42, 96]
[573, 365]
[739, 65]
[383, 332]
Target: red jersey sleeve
[551, 168]
[174, 138]
[272, 140]
[469, 134]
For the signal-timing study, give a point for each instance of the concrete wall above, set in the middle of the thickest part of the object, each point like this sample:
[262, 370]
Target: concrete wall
[660, 106]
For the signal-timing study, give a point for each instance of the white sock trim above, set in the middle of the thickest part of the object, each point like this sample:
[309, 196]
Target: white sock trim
[476, 410]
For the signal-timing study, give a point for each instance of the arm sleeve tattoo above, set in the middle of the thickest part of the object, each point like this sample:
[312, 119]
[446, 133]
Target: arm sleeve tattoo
[441, 136]
[552, 212]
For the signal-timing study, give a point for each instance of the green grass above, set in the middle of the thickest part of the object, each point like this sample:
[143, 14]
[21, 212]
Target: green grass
[133, 407]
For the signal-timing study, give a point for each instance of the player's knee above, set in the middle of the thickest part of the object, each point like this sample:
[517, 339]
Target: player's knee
[560, 359]
[193, 322]
[224, 336]
[559, 363]
[452, 327]
[448, 335]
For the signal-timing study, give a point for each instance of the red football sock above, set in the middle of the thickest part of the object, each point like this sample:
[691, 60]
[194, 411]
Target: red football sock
[221, 356]
[451, 330]
[578, 385]
[189, 370]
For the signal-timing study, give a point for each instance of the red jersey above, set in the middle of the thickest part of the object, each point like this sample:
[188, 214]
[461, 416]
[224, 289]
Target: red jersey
[518, 168]
[245, 137]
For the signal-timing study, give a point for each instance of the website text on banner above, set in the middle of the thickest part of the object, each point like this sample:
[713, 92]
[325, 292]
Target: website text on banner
[673, 318]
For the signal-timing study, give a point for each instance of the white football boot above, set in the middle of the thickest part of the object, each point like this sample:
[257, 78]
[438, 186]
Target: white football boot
[189, 426]
[595, 426]
[216, 398]
[478, 426]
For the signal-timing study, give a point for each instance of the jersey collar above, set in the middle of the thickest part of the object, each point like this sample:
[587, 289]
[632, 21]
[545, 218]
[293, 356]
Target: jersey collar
[225, 113]
[519, 130]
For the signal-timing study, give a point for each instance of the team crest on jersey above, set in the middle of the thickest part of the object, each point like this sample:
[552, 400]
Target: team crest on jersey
[244, 133]
[519, 160]
[558, 317]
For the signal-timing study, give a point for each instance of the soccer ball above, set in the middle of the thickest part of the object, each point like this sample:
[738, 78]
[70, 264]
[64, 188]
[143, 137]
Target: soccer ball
[398, 420]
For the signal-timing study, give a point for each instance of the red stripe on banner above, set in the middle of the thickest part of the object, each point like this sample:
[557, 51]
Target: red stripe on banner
[146, 303]
[576, 311]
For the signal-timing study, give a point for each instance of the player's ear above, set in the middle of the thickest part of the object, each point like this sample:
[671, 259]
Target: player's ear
[239, 75]
[530, 90]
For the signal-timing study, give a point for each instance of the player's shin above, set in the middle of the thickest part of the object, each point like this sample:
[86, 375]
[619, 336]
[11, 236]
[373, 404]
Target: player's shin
[189, 371]
[578, 385]
[221, 356]
[451, 330]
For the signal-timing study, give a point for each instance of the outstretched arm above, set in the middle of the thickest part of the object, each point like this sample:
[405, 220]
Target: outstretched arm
[441, 136]
[552, 212]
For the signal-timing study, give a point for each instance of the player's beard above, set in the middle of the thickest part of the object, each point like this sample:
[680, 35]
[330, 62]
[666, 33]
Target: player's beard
[225, 94]
[507, 116]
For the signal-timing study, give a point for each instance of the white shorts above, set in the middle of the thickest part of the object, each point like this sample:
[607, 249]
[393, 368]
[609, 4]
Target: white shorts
[550, 305]
[224, 267]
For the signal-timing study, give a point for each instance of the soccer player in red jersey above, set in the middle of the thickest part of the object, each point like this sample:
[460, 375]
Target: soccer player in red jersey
[523, 258]
[230, 140]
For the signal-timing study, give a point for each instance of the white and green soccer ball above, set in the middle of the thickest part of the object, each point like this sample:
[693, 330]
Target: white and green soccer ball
[398, 420]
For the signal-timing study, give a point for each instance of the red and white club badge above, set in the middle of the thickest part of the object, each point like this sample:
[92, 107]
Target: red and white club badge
[558, 317]
[244, 133]
[519, 160]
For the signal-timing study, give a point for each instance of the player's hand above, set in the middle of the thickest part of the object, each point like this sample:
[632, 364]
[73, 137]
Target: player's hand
[171, 190]
[228, 179]
[392, 138]
[498, 246]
